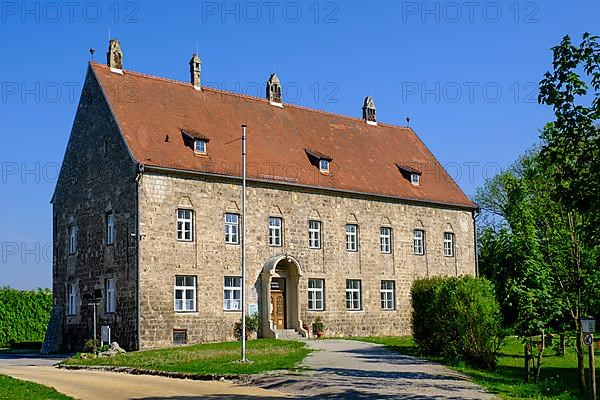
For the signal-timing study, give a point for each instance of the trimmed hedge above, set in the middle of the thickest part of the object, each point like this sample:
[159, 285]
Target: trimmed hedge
[24, 315]
[458, 319]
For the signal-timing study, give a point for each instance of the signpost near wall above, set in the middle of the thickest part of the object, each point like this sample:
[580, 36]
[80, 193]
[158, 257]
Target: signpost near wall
[588, 326]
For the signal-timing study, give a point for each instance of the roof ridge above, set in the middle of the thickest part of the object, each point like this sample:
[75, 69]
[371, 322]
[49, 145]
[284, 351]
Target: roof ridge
[246, 96]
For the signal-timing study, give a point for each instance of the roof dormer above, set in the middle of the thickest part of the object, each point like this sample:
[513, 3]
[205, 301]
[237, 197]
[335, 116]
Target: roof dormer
[322, 161]
[197, 141]
[411, 174]
[369, 112]
[274, 91]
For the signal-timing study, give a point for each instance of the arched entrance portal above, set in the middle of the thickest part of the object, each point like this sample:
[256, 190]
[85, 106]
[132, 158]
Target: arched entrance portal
[280, 296]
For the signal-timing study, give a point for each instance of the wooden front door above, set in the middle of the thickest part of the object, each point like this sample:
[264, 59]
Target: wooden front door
[278, 308]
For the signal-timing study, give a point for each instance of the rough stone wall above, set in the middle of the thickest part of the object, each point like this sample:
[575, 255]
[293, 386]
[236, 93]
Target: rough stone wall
[97, 176]
[210, 259]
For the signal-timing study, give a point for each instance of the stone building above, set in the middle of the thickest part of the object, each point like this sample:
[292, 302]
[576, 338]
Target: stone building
[343, 214]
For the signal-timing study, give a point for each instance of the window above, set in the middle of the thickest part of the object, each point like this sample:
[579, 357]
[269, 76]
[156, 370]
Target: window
[449, 244]
[275, 224]
[385, 239]
[315, 294]
[388, 296]
[232, 293]
[110, 295]
[324, 165]
[185, 293]
[232, 228]
[72, 239]
[352, 237]
[71, 299]
[110, 228]
[419, 242]
[415, 179]
[200, 146]
[184, 225]
[314, 234]
[179, 336]
[353, 294]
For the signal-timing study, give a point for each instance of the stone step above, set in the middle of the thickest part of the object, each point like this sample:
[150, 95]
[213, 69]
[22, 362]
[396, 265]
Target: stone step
[288, 334]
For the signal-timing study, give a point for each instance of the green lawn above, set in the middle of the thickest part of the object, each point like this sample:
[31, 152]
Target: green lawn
[558, 376]
[211, 358]
[15, 389]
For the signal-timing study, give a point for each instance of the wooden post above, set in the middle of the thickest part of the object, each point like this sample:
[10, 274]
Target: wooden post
[592, 369]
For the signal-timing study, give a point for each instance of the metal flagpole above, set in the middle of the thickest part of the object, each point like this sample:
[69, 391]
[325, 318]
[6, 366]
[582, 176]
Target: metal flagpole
[244, 243]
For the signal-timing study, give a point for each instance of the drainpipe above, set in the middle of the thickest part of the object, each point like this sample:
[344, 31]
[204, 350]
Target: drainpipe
[138, 179]
[475, 214]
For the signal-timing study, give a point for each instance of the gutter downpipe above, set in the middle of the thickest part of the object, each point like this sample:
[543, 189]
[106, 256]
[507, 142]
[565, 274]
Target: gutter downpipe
[138, 179]
[475, 215]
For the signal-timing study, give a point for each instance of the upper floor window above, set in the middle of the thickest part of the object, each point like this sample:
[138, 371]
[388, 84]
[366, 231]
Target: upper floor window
[388, 298]
[315, 294]
[324, 165]
[71, 299]
[353, 300]
[200, 146]
[110, 228]
[185, 293]
[72, 239]
[448, 244]
[232, 228]
[415, 179]
[314, 234]
[351, 237]
[110, 295]
[419, 242]
[184, 225]
[385, 239]
[275, 231]
[232, 293]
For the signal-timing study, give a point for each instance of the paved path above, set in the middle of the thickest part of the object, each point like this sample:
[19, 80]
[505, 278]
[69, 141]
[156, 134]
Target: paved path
[346, 369]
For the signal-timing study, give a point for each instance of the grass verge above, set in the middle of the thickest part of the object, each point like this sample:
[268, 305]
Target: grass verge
[210, 358]
[15, 389]
[558, 376]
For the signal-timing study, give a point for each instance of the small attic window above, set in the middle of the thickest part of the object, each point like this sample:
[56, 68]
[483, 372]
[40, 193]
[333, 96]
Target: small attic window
[415, 179]
[324, 166]
[200, 146]
[320, 160]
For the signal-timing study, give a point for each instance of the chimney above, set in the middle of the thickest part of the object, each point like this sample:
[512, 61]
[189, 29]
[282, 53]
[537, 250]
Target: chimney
[114, 57]
[274, 91]
[195, 69]
[369, 114]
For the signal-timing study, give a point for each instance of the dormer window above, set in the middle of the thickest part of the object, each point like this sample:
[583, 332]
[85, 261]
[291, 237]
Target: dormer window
[200, 146]
[324, 166]
[415, 179]
[320, 160]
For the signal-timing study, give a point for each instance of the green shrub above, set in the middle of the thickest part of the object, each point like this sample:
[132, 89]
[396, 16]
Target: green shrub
[24, 315]
[458, 319]
[252, 324]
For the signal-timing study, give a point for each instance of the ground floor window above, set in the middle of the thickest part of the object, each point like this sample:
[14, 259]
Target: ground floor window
[387, 295]
[110, 295]
[71, 299]
[232, 293]
[185, 293]
[315, 294]
[179, 336]
[353, 300]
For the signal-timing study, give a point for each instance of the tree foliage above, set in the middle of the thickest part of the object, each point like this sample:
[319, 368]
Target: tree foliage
[24, 315]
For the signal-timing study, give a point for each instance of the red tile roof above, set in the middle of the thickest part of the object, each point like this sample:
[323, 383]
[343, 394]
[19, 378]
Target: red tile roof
[149, 108]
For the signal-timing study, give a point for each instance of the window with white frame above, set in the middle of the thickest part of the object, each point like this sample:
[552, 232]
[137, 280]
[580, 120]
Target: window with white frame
[314, 234]
[71, 299]
[448, 244]
[72, 239]
[184, 225]
[351, 237]
[232, 228]
[419, 242]
[110, 301]
[353, 301]
[185, 293]
[316, 289]
[232, 293]
[388, 296]
[415, 179]
[110, 228]
[200, 146]
[385, 239]
[324, 165]
[275, 225]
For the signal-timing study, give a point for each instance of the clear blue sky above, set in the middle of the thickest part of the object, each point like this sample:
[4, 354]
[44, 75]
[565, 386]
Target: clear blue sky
[465, 72]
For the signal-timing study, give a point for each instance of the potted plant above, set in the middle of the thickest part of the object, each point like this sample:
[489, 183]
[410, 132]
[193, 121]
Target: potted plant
[318, 327]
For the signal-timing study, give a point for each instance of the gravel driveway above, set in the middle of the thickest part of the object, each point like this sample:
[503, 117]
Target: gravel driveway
[346, 369]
